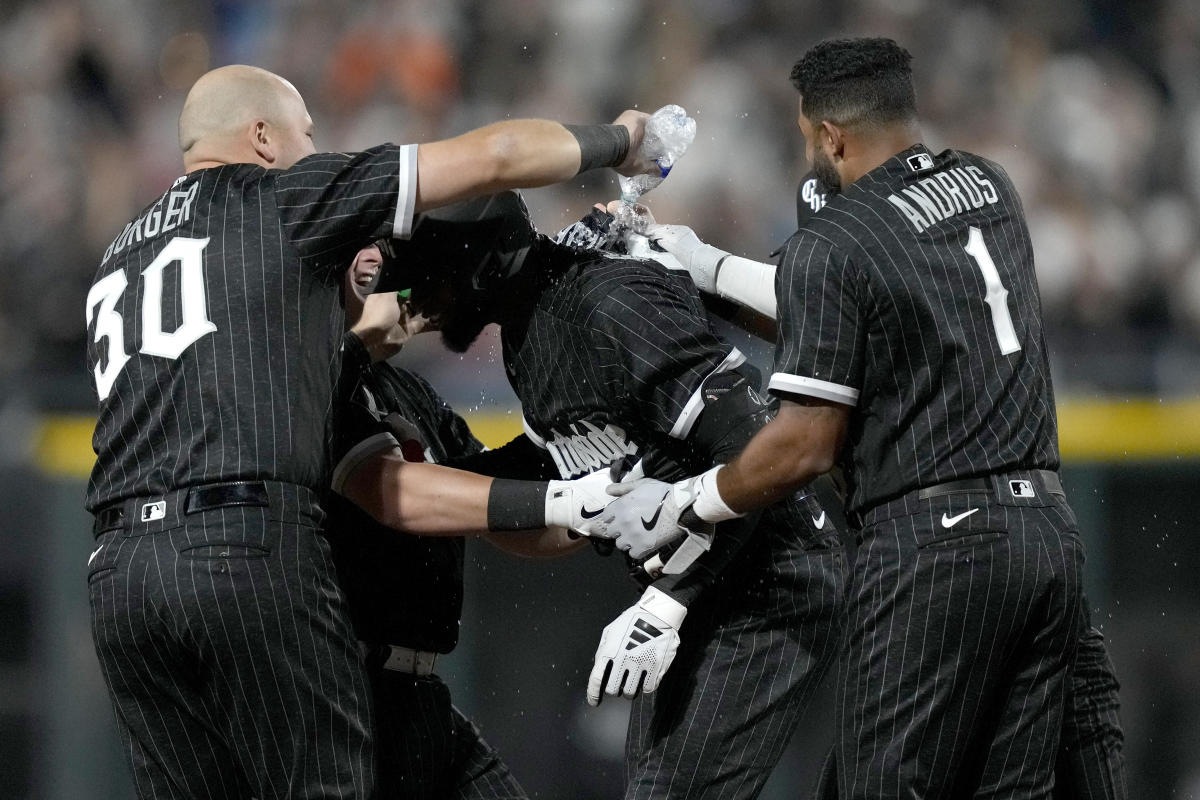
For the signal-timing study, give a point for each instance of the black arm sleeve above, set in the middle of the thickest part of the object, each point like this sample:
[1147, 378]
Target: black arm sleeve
[520, 459]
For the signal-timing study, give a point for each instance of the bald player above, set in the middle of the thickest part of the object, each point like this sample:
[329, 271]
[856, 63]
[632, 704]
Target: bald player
[215, 329]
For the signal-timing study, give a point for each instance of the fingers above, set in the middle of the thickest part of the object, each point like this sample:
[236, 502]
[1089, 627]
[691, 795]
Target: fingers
[599, 676]
[620, 489]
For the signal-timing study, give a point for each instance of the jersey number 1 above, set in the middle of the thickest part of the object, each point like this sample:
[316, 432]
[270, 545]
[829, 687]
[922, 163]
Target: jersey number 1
[997, 295]
[155, 341]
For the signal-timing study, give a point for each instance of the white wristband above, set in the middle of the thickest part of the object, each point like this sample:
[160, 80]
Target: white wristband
[709, 505]
[663, 606]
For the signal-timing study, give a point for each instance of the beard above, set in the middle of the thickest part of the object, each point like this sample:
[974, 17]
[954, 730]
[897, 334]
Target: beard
[826, 172]
[462, 324]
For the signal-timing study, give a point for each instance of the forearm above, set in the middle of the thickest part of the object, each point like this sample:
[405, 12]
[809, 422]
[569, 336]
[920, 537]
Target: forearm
[421, 498]
[512, 154]
[747, 283]
[545, 543]
[801, 443]
[730, 538]
[434, 500]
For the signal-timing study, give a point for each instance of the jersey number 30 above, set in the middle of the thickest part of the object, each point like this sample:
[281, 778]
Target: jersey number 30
[106, 292]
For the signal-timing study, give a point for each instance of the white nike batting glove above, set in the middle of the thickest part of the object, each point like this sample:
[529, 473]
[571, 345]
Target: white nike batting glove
[639, 246]
[698, 258]
[645, 514]
[649, 513]
[637, 648]
[578, 504]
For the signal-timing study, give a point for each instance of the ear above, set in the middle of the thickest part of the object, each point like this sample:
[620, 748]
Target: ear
[261, 141]
[834, 138]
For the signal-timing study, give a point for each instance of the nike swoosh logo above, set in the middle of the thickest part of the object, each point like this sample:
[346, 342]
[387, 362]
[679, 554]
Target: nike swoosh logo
[950, 522]
[92, 557]
[649, 524]
[819, 522]
[586, 513]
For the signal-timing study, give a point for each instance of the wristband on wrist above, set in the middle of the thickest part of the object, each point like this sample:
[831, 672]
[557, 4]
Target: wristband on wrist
[709, 505]
[516, 505]
[663, 606]
[600, 145]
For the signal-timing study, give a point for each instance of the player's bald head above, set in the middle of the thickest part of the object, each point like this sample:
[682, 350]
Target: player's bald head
[224, 102]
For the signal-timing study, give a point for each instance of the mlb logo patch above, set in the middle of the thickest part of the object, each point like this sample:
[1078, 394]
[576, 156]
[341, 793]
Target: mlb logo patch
[920, 161]
[153, 511]
[1021, 488]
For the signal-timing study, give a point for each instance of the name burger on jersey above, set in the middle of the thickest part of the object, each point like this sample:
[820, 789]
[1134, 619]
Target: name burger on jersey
[156, 220]
[588, 448]
[944, 194]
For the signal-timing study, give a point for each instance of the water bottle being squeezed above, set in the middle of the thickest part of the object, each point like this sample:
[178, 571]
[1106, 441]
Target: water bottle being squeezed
[669, 131]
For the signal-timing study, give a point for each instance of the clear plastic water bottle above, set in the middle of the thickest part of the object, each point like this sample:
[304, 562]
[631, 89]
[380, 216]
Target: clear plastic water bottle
[669, 131]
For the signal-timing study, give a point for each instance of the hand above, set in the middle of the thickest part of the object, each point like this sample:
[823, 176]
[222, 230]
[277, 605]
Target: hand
[386, 324]
[639, 246]
[698, 258]
[578, 504]
[646, 515]
[637, 648]
[594, 232]
[641, 213]
[635, 163]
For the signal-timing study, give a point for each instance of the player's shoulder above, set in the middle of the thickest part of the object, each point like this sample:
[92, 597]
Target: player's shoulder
[608, 283]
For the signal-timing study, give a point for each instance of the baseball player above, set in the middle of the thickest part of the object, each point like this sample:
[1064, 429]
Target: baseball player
[214, 327]
[613, 359]
[405, 591]
[910, 349]
[1091, 763]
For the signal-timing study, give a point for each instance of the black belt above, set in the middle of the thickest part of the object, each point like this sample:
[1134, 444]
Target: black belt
[1050, 482]
[199, 498]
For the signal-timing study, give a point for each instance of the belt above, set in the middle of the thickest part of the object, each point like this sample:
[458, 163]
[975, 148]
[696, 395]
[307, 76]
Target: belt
[395, 658]
[198, 498]
[1049, 480]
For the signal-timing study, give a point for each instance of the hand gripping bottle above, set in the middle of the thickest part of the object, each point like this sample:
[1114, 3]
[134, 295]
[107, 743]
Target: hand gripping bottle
[669, 131]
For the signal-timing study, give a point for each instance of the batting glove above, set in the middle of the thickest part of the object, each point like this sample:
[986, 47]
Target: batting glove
[699, 259]
[637, 648]
[646, 514]
[579, 504]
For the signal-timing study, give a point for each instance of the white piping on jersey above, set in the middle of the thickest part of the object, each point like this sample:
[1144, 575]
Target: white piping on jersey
[695, 404]
[360, 453]
[406, 196]
[533, 437]
[783, 382]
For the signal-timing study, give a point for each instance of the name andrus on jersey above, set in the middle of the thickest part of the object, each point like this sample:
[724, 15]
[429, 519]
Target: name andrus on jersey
[944, 194]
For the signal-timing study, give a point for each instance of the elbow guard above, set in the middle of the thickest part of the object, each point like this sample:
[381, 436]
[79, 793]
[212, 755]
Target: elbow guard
[734, 411]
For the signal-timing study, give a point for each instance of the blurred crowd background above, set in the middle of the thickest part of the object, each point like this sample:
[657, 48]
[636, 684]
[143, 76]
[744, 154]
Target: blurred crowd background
[1093, 106]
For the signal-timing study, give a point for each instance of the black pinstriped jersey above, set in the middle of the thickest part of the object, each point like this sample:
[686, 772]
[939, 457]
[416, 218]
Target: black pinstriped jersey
[403, 589]
[215, 320]
[610, 362]
[912, 297]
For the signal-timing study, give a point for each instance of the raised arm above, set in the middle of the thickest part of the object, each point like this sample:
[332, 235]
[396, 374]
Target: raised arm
[525, 153]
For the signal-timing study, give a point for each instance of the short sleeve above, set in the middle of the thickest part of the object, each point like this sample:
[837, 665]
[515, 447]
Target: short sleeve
[331, 204]
[653, 337]
[819, 351]
[359, 433]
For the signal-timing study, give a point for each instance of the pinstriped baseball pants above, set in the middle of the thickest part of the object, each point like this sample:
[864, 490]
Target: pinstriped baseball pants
[427, 750]
[753, 650]
[230, 661]
[959, 646]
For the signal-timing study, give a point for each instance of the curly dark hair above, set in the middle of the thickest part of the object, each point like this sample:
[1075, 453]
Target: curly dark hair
[856, 82]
